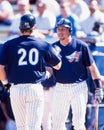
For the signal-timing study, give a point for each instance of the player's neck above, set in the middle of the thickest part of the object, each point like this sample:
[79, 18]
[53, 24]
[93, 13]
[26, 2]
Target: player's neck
[66, 41]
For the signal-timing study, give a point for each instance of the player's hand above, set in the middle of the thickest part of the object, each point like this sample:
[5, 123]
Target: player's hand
[48, 74]
[99, 94]
[7, 86]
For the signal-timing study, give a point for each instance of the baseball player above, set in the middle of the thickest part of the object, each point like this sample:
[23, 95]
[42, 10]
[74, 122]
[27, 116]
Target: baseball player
[22, 64]
[71, 88]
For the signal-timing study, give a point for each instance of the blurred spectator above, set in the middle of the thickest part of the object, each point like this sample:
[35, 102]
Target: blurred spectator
[13, 2]
[66, 13]
[80, 9]
[101, 2]
[96, 16]
[23, 8]
[44, 18]
[52, 5]
[6, 13]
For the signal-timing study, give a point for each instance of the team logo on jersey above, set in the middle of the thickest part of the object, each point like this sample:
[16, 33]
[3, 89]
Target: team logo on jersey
[74, 56]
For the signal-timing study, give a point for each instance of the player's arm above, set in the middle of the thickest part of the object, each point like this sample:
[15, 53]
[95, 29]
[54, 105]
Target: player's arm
[58, 66]
[49, 70]
[94, 71]
[95, 74]
[3, 77]
[97, 82]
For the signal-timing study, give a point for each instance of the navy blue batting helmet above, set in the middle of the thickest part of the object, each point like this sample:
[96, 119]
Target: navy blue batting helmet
[64, 22]
[27, 21]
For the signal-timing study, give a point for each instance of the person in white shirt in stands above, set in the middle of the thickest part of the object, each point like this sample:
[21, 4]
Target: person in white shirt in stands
[45, 19]
[79, 8]
[53, 6]
[95, 16]
[23, 8]
[6, 13]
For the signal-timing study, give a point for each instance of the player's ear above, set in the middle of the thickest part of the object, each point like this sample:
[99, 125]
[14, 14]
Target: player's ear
[34, 27]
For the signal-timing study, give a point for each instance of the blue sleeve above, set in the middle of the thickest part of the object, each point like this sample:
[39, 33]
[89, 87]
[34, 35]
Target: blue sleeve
[51, 56]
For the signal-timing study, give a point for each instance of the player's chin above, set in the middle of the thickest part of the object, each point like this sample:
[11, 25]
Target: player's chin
[61, 38]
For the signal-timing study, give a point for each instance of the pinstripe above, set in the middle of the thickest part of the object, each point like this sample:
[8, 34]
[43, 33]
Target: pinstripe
[79, 102]
[76, 95]
[27, 99]
[47, 117]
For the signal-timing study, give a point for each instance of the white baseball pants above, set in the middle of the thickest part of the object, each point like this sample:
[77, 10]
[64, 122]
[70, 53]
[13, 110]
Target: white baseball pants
[27, 102]
[76, 95]
[47, 117]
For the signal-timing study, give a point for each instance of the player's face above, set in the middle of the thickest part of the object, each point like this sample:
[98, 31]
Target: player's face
[62, 32]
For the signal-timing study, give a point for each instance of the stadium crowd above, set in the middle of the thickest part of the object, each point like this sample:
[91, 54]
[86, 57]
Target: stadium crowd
[87, 20]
